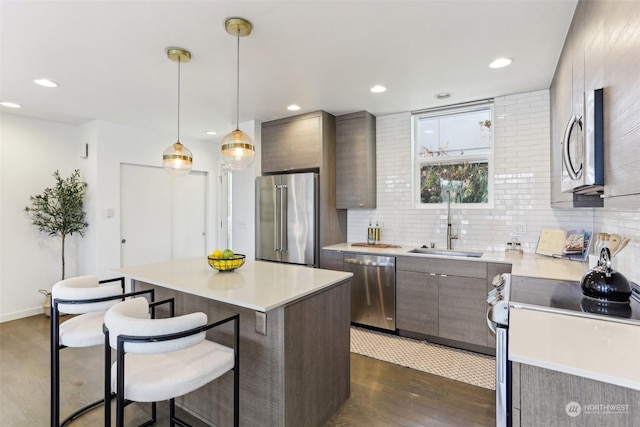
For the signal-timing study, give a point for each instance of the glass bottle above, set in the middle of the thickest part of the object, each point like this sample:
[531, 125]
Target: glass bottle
[597, 244]
[371, 238]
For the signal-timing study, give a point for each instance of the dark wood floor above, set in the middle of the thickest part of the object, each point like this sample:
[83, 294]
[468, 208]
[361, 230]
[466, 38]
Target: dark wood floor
[382, 394]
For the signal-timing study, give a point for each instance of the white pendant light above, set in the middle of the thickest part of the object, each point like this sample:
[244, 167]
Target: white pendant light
[177, 159]
[238, 150]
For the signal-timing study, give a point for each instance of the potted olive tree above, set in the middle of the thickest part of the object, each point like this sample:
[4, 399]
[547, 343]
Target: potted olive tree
[58, 211]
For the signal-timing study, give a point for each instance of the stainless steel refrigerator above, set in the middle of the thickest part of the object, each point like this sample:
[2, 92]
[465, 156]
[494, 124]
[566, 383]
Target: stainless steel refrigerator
[287, 218]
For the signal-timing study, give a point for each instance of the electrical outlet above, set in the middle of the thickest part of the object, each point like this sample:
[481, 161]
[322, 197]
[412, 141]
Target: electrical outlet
[261, 322]
[521, 229]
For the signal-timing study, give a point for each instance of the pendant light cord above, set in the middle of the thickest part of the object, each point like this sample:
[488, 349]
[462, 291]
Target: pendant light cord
[238, 84]
[179, 62]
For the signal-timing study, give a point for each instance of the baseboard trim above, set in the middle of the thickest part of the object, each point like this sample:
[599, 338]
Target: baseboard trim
[21, 314]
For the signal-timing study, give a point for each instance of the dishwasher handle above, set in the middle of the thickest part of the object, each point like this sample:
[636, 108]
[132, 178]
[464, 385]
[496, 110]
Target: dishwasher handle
[369, 261]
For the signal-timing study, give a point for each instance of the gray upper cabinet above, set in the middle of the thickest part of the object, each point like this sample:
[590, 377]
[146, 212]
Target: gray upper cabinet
[356, 161]
[561, 110]
[294, 143]
[596, 56]
[275, 147]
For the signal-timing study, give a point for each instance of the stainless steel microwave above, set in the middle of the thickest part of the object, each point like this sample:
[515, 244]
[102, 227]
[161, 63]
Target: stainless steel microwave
[583, 148]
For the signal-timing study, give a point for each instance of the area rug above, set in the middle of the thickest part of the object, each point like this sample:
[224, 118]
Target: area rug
[460, 365]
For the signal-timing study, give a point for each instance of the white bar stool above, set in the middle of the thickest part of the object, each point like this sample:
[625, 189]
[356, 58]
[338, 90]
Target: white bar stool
[161, 359]
[87, 298]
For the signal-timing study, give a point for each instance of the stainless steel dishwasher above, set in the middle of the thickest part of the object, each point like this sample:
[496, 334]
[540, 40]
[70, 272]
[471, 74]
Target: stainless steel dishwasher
[373, 290]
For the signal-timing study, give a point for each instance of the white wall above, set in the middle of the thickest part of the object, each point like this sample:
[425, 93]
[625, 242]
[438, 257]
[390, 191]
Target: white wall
[522, 190]
[243, 221]
[521, 174]
[30, 151]
[114, 145]
[625, 223]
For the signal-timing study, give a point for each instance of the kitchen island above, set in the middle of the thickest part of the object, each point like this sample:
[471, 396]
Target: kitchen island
[297, 374]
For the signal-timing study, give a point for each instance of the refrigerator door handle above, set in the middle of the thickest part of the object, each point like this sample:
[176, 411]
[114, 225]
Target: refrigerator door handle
[284, 196]
[276, 218]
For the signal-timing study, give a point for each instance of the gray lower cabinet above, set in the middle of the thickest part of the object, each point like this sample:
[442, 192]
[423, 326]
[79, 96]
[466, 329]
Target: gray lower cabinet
[417, 302]
[542, 397]
[462, 309]
[442, 298]
[356, 161]
[332, 260]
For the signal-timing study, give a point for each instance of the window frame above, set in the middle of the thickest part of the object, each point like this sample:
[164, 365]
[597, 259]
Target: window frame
[417, 161]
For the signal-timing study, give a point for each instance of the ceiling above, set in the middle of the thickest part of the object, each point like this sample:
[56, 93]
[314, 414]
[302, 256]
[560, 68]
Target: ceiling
[109, 57]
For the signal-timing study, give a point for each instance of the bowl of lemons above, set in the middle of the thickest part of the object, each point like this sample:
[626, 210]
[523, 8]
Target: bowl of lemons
[225, 260]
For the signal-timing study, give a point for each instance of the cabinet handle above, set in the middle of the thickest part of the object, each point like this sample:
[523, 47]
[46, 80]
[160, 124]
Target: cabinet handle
[432, 274]
[443, 275]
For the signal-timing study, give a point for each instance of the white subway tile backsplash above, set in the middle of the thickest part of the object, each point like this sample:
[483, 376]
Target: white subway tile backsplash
[521, 189]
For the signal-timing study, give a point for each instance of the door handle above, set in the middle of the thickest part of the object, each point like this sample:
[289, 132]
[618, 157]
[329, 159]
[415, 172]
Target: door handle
[490, 324]
[574, 125]
[276, 217]
[283, 218]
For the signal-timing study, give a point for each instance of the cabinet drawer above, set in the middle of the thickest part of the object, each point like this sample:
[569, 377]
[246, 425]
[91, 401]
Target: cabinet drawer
[474, 269]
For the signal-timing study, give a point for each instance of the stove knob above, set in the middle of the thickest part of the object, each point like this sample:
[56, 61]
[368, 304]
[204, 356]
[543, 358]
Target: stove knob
[498, 281]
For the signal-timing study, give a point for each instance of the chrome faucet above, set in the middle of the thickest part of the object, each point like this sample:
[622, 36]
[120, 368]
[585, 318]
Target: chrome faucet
[450, 236]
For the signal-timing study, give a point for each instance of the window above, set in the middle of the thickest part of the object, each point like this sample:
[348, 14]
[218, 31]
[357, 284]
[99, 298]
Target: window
[452, 155]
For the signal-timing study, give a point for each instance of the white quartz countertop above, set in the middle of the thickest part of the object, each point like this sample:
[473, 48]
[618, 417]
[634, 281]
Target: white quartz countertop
[258, 285]
[528, 265]
[592, 348]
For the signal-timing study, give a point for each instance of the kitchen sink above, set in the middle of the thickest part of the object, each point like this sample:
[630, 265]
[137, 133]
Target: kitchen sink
[444, 252]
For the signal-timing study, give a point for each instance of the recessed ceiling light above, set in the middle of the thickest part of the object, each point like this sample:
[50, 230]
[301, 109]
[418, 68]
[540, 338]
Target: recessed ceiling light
[293, 107]
[501, 62]
[10, 104]
[210, 132]
[45, 83]
[378, 89]
[442, 95]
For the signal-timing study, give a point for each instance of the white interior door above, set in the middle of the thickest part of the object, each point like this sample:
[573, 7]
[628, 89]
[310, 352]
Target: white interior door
[189, 208]
[145, 215]
[161, 217]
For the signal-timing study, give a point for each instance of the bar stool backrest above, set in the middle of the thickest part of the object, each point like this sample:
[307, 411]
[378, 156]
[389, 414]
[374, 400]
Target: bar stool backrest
[84, 288]
[131, 318]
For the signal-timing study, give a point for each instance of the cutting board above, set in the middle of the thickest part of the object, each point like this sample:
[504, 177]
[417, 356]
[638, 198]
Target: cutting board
[551, 242]
[377, 245]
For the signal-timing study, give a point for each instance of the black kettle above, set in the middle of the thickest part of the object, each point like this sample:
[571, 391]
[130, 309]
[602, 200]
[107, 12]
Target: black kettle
[603, 283]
